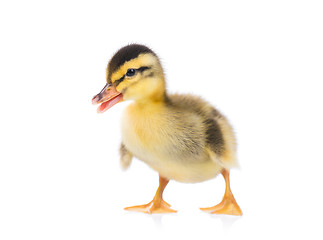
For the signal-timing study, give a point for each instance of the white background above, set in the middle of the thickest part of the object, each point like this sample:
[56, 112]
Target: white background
[259, 62]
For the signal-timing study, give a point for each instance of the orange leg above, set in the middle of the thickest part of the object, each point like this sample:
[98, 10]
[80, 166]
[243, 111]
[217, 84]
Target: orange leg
[157, 205]
[228, 205]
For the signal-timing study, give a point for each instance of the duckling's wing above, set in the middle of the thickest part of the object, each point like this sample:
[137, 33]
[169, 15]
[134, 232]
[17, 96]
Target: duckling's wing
[125, 157]
[218, 134]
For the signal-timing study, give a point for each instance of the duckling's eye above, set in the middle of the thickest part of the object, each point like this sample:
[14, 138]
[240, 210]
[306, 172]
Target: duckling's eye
[131, 72]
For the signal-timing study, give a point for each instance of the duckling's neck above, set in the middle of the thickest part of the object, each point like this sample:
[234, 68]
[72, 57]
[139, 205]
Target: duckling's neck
[159, 98]
[156, 96]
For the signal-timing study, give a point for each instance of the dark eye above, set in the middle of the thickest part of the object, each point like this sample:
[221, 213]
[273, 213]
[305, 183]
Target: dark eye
[131, 72]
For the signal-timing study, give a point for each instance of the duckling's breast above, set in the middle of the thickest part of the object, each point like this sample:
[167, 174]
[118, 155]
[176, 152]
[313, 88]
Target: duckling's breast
[172, 143]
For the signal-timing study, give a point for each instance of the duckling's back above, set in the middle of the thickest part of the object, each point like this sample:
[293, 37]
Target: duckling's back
[219, 136]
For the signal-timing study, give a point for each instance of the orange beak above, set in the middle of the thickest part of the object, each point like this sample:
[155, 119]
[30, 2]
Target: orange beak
[108, 97]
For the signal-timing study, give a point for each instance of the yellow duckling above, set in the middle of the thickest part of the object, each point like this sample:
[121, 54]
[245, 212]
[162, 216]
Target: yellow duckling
[182, 137]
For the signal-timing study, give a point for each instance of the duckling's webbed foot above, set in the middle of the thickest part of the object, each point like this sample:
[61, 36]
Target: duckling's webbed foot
[157, 205]
[152, 207]
[228, 205]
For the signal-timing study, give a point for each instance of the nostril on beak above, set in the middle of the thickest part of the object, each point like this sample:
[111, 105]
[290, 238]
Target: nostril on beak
[95, 99]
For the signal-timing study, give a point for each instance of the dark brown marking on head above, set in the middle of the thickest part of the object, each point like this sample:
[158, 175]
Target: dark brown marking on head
[117, 82]
[150, 75]
[126, 54]
[141, 69]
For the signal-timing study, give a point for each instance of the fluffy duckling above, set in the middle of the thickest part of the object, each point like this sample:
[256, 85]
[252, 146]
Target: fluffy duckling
[182, 137]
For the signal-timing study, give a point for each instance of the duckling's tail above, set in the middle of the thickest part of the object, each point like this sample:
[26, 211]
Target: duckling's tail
[227, 160]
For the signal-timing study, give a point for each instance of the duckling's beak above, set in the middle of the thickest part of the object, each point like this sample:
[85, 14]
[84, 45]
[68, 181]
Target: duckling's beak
[108, 97]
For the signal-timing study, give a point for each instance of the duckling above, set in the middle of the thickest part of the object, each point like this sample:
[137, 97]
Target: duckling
[182, 137]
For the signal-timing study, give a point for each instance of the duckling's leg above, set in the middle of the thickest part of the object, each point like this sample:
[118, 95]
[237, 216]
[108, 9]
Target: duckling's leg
[228, 205]
[157, 205]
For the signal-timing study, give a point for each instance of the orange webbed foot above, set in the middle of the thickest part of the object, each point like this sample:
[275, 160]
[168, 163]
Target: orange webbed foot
[152, 207]
[157, 205]
[227, 206]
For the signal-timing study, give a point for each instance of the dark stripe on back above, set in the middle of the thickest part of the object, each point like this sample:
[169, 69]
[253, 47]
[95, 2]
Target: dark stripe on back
[214, 137]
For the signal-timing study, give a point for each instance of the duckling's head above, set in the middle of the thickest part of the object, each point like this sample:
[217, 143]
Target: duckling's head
[133, 73]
